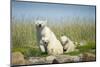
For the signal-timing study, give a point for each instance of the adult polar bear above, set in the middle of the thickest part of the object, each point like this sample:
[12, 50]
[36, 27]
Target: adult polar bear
[44, 33]
[53, 47]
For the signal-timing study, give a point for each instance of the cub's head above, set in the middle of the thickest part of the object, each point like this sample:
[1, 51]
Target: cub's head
[45, 41]
[40, 23]
[64, 40]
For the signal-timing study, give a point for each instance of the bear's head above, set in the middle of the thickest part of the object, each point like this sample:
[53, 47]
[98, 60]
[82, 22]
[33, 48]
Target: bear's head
[40, 23]
[64, 40]
[45, 41]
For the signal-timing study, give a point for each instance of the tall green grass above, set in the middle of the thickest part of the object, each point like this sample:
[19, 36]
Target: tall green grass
[24, 35]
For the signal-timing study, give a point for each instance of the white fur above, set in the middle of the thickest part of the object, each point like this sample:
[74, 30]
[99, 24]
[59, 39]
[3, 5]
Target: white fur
[68, 45]
[39, 35]
[54, 47]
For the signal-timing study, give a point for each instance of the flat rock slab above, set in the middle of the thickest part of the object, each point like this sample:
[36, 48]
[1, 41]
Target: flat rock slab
[62, 59]
[53, 59]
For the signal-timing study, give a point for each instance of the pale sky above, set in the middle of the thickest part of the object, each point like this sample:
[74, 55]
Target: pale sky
[29, 10]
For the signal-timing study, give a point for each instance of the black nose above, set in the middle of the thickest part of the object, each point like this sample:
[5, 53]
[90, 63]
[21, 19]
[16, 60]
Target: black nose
[45, 42]
[39, 25]
[64, 49]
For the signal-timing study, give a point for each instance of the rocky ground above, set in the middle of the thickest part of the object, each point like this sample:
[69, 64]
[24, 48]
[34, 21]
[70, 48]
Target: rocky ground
[52, 59]
[62, 59]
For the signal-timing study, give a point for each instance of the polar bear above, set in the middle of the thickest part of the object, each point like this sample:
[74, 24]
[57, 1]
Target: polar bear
[68, 45]
[44, 32]
[40, 24]
[53, 47]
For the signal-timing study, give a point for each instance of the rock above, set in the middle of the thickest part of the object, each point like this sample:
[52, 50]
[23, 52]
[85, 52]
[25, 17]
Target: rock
[88, 57]
[17, 58]
[75, 58]
[67, 58]
[27, 62]
[49, 59]
[37, 60]
[62, 59]
[54, 59]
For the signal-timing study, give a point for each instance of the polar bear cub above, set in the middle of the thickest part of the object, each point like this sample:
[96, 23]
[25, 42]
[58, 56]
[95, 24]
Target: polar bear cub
[68, 45]
[53, 47]
[44, 33]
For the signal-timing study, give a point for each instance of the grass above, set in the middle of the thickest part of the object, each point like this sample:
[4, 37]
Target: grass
[30, 52]
[89, 47]
[73, 53]
[24, 36]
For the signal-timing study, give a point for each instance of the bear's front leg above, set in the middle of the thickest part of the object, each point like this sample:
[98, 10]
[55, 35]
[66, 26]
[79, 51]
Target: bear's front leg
[41, 45]
[42, 48]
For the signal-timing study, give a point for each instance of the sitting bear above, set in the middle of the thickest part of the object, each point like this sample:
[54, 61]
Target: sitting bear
[53, 47]
[44, 32]
[39, 27]
[68, 45]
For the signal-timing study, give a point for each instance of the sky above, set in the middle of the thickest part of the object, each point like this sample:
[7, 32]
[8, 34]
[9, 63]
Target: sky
[30, 10]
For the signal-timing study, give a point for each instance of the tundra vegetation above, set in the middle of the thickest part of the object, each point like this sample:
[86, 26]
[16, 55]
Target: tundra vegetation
[23, 35]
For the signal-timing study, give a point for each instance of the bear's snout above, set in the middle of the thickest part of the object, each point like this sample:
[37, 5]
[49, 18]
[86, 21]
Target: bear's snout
[40, 25]
[45, 42]
[64, 49]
